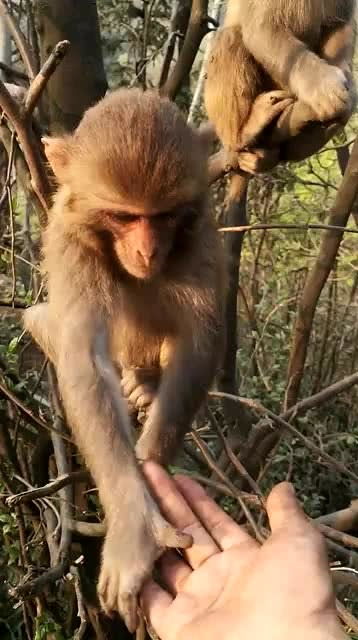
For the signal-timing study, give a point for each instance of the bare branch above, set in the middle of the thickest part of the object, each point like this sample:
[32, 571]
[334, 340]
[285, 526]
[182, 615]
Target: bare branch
[40, 81]
[197, 29]
[303, 227]
[48, 489]
[343, 520]
[283, 424]
[20, 41]
[318, 276]
[29, 145]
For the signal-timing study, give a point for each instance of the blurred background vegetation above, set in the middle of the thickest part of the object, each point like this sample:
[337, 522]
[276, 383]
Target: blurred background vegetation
[118, 43]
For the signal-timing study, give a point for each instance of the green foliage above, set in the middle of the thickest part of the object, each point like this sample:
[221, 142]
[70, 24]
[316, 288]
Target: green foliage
[46, 628]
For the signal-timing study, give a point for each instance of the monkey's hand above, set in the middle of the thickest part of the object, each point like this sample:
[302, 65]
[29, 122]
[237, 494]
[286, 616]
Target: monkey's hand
[139, 387]
[326, 91]
[259, 160]
[137, 534]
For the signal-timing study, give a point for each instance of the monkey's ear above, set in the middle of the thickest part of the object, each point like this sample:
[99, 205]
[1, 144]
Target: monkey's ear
[58, 151]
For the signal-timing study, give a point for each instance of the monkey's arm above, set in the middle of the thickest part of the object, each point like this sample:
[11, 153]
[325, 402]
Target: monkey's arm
[97, 413]
[193, 362]
[182, 391]
[292, 65]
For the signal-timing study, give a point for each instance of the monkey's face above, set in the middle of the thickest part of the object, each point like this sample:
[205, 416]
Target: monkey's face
[142, 241]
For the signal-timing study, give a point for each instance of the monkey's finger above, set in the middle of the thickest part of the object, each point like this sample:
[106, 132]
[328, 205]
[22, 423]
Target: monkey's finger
[142, 396]
[278, 107]
[167, 536]
[128, 384]
[128, 607]
[177, 511]
[174, 572]
[278, 94]
[223, 529]
[107, 596]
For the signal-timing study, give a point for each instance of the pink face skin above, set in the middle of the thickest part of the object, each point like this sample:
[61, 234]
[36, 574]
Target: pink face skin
[142, 240]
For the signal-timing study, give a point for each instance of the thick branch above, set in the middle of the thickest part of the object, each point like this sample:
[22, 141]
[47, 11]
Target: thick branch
[318, 276]
[343, 520]
[197, 29]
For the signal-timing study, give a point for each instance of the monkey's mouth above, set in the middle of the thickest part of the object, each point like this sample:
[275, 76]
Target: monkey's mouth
[145, 273]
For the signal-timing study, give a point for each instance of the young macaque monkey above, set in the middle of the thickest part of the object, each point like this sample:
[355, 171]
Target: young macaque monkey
[303, 47]
[136, 280]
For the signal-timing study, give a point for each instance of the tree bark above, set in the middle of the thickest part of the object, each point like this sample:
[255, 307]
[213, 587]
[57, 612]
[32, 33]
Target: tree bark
[80, 80]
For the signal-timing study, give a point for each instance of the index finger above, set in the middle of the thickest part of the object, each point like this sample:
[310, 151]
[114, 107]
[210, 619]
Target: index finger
[177, 511]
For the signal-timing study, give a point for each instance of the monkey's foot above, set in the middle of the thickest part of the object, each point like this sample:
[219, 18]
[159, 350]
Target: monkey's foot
[326, 92]
[136, 537]
[265, 109]
[139, 387]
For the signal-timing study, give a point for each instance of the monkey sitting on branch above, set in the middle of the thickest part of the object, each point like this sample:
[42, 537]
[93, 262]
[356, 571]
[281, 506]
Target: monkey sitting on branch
[136, 281]
[304, 47]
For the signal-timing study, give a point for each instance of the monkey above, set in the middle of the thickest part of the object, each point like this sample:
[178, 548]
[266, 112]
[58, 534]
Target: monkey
[304, 47]
[135, 275]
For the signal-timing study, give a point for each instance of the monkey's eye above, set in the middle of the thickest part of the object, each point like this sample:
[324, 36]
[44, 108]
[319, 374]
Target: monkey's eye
[122, 218]
[167, 216]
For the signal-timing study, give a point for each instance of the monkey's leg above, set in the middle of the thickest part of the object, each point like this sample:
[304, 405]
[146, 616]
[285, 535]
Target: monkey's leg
[37, 323]
[291, 64]
[182, 391]
[297, 131]
[233, 81]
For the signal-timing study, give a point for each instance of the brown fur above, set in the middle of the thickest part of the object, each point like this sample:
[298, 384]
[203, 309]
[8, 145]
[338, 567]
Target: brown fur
[133, 292]
[271, 44]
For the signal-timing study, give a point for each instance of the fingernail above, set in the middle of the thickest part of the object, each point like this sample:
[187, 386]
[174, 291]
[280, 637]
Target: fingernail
[291, 488]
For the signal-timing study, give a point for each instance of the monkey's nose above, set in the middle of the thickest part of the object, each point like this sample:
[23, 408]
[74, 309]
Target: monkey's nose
[147, 257]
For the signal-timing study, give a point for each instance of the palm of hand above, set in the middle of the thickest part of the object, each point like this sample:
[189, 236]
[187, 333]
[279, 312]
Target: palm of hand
[233, 587]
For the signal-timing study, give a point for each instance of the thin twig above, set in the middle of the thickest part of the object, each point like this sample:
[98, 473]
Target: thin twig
[20, 41]
[81, 611]
[48, 489]
[233, 459]
[32, 417]
[283, 424]
[251, 499]
[301, 227]
[347, 617]
[63, 467]
[11, 211]
[28, 143]
[212, 464]
[12, 71]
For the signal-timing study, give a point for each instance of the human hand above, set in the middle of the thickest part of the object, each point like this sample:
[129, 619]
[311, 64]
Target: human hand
[229, 586]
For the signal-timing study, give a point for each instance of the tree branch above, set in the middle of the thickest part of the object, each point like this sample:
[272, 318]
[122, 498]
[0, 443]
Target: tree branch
[40, 81]
[20, 41]
[197, 29]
